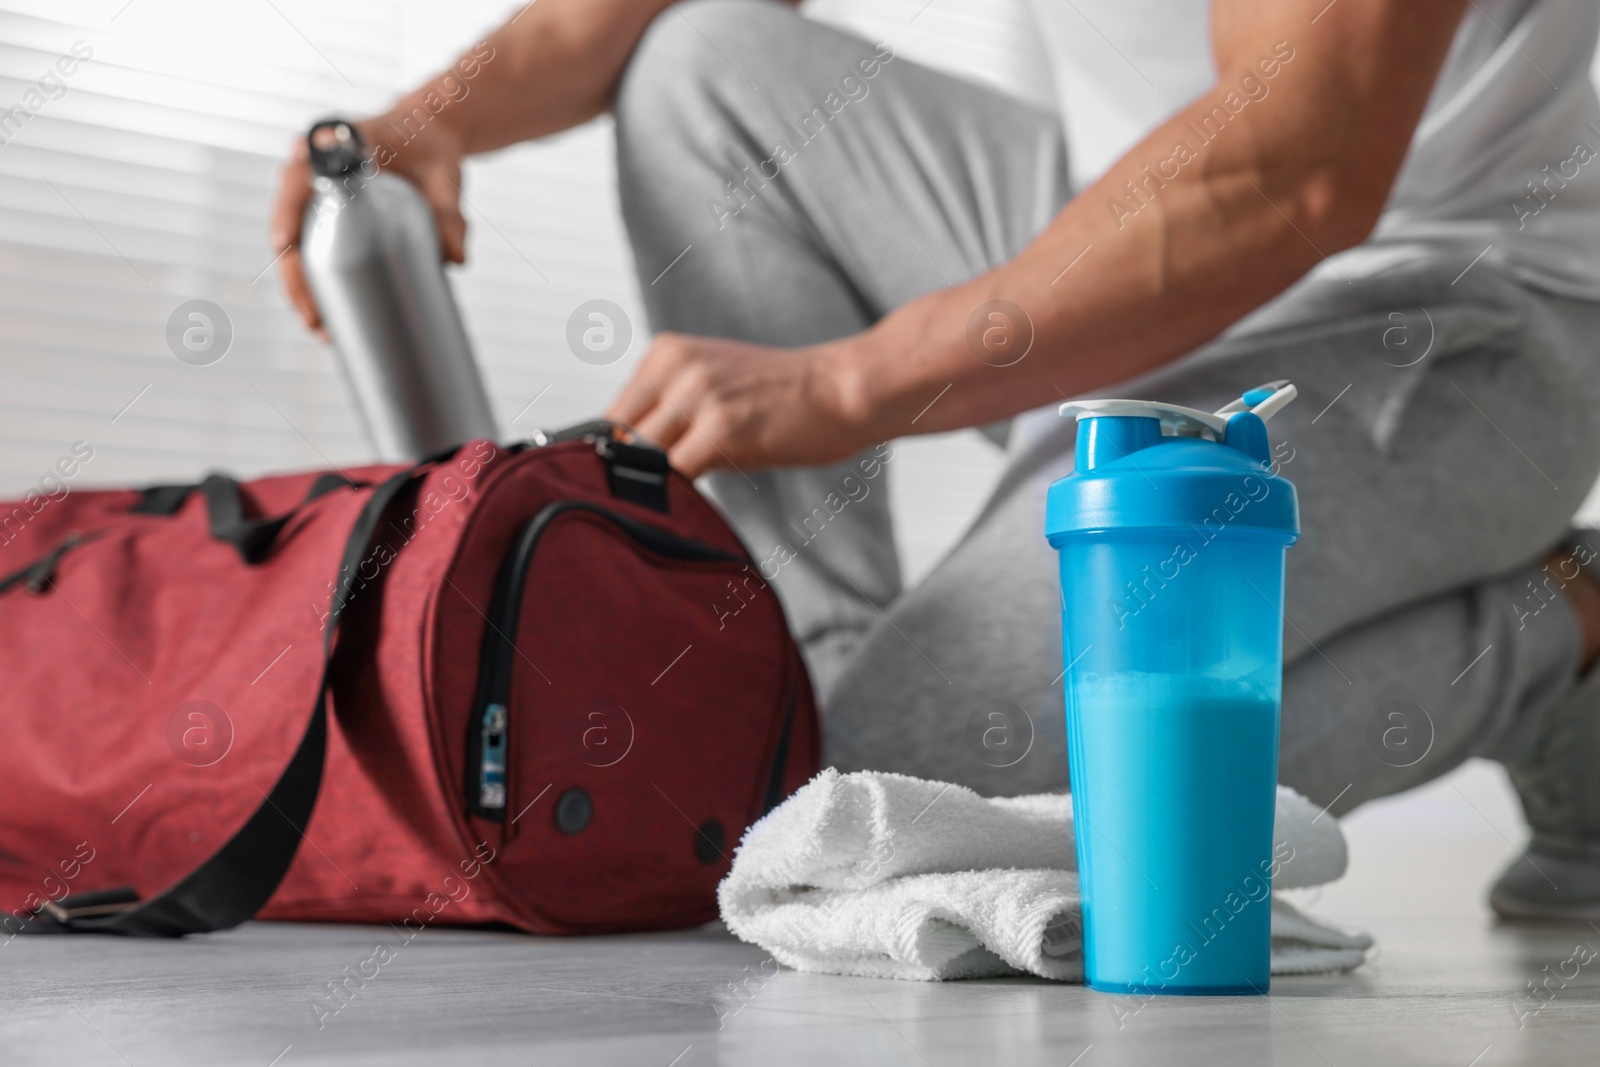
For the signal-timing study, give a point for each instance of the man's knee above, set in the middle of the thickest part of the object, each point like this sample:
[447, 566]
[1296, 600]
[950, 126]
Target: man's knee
[693, 53]
[683, 105]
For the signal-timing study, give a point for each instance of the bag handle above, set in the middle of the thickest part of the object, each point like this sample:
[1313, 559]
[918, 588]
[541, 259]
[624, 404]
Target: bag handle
[240, 877]
[252, 538]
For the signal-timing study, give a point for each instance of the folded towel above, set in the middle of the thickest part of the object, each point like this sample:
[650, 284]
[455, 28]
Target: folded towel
[889, 876]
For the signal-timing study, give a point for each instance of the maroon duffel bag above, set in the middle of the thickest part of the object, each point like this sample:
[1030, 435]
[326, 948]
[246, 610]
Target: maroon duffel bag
[540, 684]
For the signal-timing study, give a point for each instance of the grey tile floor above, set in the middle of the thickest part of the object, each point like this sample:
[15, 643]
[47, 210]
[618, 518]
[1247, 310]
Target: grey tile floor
[1447, 986]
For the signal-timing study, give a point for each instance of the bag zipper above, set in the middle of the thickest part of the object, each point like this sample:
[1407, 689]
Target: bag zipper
[774, 794]
[489, 725]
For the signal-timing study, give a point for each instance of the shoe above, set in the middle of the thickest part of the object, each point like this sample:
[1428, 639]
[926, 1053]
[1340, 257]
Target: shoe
[1556, 773]
[1544, 883]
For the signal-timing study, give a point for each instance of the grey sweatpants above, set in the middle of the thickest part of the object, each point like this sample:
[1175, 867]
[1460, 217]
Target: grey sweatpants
[784, 183]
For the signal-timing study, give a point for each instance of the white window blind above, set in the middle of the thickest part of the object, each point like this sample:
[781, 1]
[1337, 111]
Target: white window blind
[144, 180]
[147, 181]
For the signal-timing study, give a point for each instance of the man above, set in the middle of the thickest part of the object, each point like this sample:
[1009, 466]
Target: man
[1394, 203]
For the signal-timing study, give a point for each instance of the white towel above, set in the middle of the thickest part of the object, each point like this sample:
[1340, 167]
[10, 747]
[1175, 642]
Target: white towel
[896, 877]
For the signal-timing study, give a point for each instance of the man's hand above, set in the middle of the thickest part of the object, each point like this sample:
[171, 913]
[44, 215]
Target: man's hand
[552, 66]
[431, 162]
[715, 403]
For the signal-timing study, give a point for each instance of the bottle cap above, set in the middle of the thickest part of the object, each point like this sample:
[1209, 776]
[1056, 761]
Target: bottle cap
[1145, 465]
[336, 148]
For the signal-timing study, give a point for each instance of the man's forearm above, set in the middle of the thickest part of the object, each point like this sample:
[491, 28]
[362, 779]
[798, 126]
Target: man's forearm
[1131, 276]
[553, 65]
[1102, 299]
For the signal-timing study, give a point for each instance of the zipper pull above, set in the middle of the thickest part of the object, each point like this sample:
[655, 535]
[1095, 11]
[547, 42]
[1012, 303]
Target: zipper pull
[635, 472]
[492, 766]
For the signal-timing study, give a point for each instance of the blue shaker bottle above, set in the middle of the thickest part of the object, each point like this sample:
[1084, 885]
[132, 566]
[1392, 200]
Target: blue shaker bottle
[1171, 532]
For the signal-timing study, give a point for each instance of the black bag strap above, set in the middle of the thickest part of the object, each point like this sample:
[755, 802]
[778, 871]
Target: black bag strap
[38, 574]
[162, 499]
[238, 879]
[252, 538]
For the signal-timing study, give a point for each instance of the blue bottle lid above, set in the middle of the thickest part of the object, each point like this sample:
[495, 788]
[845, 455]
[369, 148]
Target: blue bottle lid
[1141, 465]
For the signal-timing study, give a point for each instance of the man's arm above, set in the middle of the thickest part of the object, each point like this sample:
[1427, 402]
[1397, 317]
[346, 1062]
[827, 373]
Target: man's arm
[553, 65]
[1225, 225]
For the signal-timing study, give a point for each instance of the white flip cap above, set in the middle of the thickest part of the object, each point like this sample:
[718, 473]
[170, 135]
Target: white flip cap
[1179, 421]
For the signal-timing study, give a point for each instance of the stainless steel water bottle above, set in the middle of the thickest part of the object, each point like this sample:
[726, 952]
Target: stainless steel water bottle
[371, 256]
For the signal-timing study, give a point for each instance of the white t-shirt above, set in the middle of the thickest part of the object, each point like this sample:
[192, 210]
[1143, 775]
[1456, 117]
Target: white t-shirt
[1506, 158]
